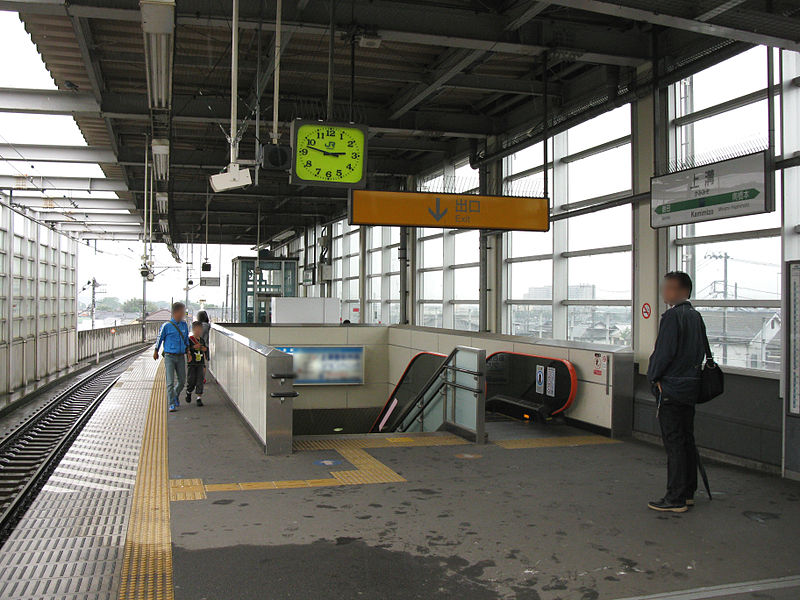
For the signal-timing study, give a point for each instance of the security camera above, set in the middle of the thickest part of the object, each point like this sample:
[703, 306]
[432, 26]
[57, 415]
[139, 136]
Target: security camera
[230, 179]
[190, 282]
[144, 271]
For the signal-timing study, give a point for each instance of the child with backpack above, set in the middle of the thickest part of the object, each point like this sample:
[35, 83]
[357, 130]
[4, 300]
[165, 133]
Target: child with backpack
[197, 354]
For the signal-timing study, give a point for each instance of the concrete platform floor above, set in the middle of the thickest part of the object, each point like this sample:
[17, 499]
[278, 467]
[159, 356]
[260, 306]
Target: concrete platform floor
[548, 522]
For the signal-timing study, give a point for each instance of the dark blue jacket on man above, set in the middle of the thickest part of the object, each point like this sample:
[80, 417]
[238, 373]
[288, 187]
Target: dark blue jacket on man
[677, 359]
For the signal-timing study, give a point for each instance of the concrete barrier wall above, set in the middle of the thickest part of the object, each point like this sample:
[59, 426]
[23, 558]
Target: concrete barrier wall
[92, 341]
[376, 386]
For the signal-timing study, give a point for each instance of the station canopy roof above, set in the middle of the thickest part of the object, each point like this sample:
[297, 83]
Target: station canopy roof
[432, 80]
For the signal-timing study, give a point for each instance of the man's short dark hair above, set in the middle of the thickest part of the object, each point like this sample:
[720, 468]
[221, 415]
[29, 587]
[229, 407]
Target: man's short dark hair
[178, 306]
[682, 279]
[196, 324]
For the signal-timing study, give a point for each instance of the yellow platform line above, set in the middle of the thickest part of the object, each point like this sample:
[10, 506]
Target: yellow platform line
[368, 469]
[555, 442]
[147, 561]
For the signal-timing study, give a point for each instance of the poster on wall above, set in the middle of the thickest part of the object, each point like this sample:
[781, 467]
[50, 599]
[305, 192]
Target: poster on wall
[327, 365]
[729, 188]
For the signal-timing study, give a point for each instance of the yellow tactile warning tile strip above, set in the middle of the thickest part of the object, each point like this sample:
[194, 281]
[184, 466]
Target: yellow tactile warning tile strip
[555, 442]
[368, 470]
[186, 489]
[147, 562]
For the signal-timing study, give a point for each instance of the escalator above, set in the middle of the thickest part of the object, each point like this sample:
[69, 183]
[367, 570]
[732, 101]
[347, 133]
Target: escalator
[521, 386]
[411, 385]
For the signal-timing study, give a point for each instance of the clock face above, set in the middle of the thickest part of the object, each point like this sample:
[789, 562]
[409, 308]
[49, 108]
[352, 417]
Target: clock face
[325, 153]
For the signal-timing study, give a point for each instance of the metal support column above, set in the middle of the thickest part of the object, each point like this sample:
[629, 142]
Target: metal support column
[402, 257]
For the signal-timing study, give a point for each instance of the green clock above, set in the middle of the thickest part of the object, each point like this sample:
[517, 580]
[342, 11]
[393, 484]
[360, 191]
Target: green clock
[331, 154]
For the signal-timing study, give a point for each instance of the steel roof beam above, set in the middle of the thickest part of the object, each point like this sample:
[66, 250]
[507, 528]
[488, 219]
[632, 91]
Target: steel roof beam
[90, 218]
[615, 9]
[42, 204]
[101, 228]
[65, 154]
[46, 102]
[77, 184]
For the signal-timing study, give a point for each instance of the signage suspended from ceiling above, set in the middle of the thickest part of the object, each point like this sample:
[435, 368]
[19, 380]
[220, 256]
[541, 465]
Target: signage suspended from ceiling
[730, 188]
[462, 211]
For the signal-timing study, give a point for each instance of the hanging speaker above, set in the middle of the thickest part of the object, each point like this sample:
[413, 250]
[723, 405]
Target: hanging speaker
[277, 157]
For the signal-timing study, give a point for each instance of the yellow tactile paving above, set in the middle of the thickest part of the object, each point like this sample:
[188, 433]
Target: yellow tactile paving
[223, 487]
[368, 469]
[556, 442]
[186, 489]
[147, 562]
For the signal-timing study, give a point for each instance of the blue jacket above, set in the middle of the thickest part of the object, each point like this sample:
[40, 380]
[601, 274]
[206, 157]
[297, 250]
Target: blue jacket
[174, 342]
[677, 359]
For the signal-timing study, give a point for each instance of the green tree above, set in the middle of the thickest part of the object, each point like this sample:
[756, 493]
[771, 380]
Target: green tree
[134, 305]
[109, 303]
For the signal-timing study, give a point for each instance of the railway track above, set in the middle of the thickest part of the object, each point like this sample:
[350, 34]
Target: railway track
[33, 450]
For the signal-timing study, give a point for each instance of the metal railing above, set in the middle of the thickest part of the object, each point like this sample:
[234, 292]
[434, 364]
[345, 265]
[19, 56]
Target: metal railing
[453, 399]
[94, 342]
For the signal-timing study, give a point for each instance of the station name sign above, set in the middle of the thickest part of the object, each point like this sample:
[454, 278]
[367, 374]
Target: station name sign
[464, 211]
[730, 188]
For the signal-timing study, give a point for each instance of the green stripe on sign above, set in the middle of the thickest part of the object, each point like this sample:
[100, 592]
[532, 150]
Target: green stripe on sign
[727, 198]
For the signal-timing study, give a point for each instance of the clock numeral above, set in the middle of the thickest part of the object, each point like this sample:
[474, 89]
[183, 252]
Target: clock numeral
[351, 143]
[349, 166]
[317, 172]
[341, 135]
[355, 155]
[307, 163]
[328, 174]
[320, 134]
[339, 173]
[331, 133]
[303, 151]
[311, 141]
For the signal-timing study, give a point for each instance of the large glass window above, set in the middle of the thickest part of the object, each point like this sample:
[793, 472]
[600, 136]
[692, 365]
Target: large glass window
[574, 281]
[735, 263]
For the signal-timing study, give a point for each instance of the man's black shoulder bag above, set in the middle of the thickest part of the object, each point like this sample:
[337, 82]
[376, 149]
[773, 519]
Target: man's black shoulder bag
[712, 380]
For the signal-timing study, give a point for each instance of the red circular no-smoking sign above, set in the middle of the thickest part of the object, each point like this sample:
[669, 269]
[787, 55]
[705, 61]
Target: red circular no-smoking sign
[646, 310]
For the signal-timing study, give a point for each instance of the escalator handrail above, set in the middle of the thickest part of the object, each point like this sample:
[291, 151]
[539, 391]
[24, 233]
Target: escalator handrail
[399, 383]
[428, 385]
[573, 376]
[401, 426]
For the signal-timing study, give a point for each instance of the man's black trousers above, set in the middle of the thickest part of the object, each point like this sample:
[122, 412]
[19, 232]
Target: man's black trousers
[677, 432]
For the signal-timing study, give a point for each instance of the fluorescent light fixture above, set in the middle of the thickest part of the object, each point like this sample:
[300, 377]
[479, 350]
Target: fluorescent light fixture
[158, 25]
[369, 41]
[284, 235]
[161, 202]
[161, 158]
[164, 224]
[230, 179]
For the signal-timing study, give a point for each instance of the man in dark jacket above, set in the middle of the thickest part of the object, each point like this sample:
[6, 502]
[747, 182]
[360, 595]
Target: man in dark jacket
[674, 373]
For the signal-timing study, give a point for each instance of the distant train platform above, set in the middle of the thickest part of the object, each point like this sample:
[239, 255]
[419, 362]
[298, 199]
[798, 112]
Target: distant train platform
[151, 504]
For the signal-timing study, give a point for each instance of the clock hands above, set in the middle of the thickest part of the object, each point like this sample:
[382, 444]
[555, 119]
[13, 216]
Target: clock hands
[326, 153]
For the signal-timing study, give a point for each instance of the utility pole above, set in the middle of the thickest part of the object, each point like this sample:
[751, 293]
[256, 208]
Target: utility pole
[92, 283]
[225, 304]
[725, 308]
[724, 256]
[144, 309]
